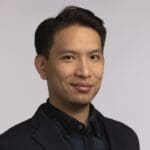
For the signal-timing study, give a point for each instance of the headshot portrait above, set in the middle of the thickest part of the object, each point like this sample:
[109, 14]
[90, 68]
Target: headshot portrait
[74, 74]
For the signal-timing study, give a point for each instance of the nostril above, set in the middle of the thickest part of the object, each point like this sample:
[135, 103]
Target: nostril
[84, 73]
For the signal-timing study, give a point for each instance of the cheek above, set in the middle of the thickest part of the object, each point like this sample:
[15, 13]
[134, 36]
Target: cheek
[98, 72]
[63, 72]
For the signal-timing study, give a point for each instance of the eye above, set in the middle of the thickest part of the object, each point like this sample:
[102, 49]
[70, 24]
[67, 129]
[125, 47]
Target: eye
[68, 58]
[95, 57]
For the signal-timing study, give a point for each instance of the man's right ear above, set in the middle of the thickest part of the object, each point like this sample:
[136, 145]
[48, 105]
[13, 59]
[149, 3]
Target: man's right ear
[41, 66]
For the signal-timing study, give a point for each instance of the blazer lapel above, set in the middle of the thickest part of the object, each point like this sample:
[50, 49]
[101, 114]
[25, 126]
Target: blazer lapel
[111, 139]
[109, 133]
[47, 134]
[114, 141]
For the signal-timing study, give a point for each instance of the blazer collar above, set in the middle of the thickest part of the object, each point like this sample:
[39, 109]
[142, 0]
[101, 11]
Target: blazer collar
[46, 133]
[110, 133]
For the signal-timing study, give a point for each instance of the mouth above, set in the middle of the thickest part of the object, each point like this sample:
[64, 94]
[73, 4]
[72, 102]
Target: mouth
[82, 87]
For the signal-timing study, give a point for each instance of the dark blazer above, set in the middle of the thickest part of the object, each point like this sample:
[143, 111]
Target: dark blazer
[41, 133]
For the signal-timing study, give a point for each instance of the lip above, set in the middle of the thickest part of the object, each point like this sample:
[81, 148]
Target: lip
[82, 87]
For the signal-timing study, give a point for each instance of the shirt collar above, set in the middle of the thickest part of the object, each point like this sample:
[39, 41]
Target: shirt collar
[72, 125]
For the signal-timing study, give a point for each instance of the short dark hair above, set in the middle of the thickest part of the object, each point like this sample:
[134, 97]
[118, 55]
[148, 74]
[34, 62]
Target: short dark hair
[44, 35]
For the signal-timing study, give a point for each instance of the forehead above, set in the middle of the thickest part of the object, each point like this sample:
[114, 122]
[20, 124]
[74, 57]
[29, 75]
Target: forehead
[77, 37]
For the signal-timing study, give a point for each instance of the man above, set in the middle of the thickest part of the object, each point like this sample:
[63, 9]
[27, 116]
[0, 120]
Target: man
[70, 57]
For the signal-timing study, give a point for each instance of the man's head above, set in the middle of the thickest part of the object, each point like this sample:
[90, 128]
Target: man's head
[70, 56]
[44, 35]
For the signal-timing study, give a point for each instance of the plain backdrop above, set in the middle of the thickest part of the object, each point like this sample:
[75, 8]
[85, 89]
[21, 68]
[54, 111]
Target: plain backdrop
[125, 89]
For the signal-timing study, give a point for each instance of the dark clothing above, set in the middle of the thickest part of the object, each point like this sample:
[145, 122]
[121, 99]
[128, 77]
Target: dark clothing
[45, 131]
[75, 133]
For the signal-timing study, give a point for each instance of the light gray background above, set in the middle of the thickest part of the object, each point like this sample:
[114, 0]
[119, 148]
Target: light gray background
[125, 90]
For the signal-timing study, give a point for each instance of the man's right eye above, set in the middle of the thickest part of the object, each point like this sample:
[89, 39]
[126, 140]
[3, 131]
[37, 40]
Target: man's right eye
[68, 57]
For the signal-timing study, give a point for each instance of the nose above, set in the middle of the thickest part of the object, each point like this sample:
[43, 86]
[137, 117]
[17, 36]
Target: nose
[83, 69]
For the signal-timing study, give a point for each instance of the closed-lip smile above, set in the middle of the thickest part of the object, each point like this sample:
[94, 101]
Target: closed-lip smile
[82, 87]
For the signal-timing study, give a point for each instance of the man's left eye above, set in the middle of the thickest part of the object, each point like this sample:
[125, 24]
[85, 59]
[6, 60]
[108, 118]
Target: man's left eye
[95, 57]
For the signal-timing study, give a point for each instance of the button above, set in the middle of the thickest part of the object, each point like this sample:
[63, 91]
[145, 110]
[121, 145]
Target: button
[68, 137]
[99, 135]
[80, 127]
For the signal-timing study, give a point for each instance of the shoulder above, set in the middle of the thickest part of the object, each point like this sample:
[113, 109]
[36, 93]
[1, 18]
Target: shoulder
[119, 127]
[115, 125]
[16, 135]
[123, 133]
[23, 126]
[21, 136]
[120, 132]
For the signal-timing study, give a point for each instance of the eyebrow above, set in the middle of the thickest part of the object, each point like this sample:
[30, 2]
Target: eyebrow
[75, 52]
[96, 51]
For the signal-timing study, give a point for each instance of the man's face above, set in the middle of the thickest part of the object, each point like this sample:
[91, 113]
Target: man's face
[75, 65]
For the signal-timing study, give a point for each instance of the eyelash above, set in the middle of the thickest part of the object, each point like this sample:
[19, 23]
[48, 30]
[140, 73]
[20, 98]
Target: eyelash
[95, 57]
[68, 57]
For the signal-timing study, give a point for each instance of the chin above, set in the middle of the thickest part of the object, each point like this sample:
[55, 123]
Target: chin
[81, 101]
[79, 105]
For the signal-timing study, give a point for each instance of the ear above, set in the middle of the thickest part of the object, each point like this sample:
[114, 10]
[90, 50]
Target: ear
[41, 66]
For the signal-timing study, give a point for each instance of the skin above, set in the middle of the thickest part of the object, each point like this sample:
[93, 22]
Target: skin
[74, 70]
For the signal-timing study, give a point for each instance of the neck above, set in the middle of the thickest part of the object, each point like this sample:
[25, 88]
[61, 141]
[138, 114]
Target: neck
[79, 112]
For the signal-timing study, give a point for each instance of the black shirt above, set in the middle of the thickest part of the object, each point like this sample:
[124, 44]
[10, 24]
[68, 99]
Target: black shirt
[92, 137]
